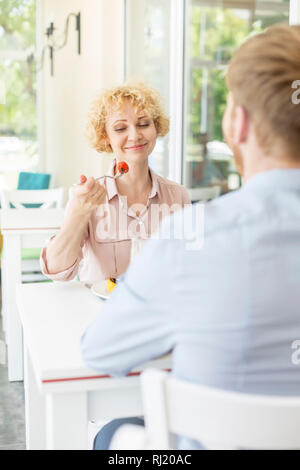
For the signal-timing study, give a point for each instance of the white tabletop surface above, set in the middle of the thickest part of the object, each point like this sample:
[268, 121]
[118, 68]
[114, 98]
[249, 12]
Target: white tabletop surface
[54, 317]
[31, 219]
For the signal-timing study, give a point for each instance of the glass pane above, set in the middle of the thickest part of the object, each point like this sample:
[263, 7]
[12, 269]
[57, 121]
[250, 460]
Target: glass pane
[18, 123]
[215, 29]
[147, 58]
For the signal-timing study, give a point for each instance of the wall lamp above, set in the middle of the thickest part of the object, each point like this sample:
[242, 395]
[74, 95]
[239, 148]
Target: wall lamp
[53, 46]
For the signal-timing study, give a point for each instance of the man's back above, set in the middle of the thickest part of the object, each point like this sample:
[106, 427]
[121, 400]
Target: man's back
[240, 295]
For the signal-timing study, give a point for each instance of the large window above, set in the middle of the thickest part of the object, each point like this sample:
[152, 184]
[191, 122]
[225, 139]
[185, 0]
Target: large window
[183, 47]
[18, 123]
[215, 29]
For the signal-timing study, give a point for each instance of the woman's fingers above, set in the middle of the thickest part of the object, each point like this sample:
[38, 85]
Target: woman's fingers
[86, 183]
[99, 195]
[90, 192]
[82, 179]
[92, 189]
[87, 195]
[90, 184]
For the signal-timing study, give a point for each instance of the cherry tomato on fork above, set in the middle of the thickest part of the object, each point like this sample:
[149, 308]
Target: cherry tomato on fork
[122, 167]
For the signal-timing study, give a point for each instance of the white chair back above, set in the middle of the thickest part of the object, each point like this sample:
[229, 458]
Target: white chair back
[46, 197]
[218, 419]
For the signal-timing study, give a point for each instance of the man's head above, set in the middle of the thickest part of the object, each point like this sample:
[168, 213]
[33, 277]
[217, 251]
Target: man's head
[262, 121]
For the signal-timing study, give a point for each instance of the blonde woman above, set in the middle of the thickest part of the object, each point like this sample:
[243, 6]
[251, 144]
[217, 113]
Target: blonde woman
[103, 216]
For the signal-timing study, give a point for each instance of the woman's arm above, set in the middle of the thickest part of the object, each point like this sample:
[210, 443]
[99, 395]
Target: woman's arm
[62, 251]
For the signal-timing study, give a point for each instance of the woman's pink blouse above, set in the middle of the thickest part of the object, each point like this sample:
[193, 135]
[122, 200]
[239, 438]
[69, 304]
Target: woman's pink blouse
[105, 247]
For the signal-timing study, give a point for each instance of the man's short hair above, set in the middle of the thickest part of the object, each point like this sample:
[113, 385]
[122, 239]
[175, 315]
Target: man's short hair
[260, 76]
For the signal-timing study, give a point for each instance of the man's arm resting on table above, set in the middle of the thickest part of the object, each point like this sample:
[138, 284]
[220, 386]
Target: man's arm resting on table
[135, 325]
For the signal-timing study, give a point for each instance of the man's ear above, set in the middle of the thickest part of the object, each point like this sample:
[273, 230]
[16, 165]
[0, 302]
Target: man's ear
[241, 125]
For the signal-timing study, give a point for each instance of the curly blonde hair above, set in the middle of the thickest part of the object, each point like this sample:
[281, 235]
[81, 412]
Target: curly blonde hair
[140, 95]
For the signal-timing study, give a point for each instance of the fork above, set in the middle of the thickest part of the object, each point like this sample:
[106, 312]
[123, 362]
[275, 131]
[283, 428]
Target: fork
[104, 176]
[109, 176]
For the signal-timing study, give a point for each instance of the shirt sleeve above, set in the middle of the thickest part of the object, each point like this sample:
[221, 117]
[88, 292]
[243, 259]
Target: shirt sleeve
[136, 323]
[67, 274]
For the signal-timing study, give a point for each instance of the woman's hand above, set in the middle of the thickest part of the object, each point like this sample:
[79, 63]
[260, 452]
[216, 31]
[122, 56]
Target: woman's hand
[64, 249]
[87, 196]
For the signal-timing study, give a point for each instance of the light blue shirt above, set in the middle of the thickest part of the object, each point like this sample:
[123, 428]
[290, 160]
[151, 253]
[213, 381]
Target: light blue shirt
[229, 311]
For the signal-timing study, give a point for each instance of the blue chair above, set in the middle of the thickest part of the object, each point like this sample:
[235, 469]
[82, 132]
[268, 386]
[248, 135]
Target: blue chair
[33, 180]
[28, 180]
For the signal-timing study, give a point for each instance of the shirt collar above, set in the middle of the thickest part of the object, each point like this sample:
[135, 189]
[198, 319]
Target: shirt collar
[111, 186]
[155, 185]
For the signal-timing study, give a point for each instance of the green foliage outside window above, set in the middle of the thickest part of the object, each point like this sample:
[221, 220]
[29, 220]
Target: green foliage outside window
[214, 35]
[17, 34]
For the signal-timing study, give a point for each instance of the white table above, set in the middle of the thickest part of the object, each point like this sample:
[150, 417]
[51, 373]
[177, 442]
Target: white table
[28, 228]
[61, 394]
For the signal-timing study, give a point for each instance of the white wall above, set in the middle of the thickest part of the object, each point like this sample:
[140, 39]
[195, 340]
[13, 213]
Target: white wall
[64, 99]
[135, 39]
